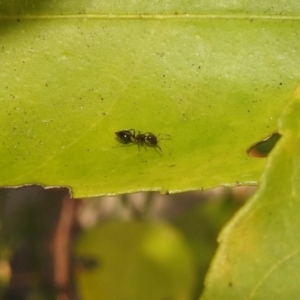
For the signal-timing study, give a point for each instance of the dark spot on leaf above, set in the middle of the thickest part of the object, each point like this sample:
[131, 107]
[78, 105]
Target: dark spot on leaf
[264, 147]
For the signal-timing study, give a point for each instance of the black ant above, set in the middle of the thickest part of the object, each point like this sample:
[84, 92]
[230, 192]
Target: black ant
[142, 139]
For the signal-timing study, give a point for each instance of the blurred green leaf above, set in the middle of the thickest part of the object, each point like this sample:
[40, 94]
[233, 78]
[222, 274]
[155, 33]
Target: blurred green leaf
[135, 260]
[201, 226]
[259, 255]
[213, 76]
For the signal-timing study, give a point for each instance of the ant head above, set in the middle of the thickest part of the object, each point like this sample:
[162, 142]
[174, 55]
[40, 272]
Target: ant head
[124, 136]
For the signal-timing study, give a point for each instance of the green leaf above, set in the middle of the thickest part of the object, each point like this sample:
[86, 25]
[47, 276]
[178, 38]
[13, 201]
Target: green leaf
[259, 256]
[214, 79]
[135, 260]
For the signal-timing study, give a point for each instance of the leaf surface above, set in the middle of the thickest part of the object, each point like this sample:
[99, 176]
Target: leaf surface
[213, 76]
[259, 256]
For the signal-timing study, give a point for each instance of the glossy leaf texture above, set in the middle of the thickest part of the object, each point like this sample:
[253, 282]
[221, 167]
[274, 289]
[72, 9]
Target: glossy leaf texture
[214, 77]
[259, 255]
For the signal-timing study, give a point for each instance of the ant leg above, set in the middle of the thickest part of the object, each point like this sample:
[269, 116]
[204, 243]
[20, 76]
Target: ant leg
[163, 134]
[122, 145]
[137, 140]
[132, 130]
[133, 136]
